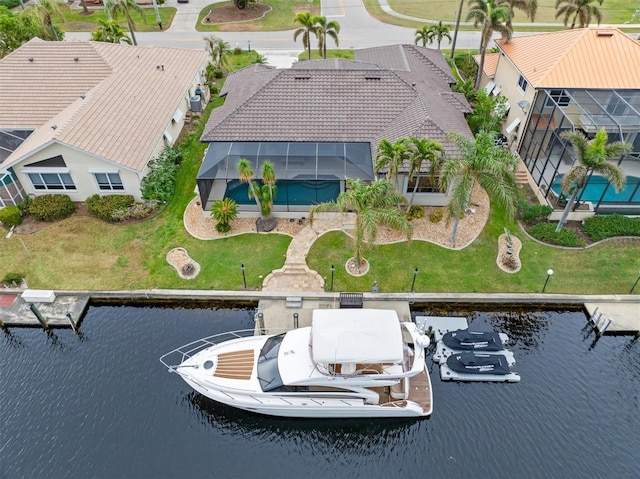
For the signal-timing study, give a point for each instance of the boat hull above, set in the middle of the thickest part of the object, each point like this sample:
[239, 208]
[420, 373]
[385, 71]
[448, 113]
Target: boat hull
[296, 407]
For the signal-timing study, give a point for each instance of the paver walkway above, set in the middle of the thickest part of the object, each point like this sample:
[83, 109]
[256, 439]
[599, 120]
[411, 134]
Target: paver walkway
[295, 276]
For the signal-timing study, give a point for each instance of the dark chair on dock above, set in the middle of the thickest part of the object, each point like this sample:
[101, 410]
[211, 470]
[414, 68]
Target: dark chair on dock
[351, 300]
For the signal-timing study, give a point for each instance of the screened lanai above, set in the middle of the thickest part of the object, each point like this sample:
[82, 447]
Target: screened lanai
[307, 172]
[548, 156]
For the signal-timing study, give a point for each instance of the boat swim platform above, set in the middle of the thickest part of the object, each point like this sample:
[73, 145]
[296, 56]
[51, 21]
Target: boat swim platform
[16, 311]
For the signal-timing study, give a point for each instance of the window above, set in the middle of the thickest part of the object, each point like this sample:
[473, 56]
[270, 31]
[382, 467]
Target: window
[52, 181]
[522, 83]
[426, 184]
[109, 181]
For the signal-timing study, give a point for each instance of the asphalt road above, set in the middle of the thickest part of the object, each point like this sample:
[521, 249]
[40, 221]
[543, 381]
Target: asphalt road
[357, 30]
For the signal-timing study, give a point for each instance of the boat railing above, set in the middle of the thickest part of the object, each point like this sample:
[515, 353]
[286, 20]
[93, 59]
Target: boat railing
[174, 358]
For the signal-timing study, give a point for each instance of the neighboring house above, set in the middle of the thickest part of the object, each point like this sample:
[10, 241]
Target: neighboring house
[320, 122]
[82, 118]
[580, 79]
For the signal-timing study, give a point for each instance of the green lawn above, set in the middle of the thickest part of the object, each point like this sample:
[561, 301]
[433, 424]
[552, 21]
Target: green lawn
[340, 53]
[614, 11]
[605, 269]
[75, 21]
[279, 18]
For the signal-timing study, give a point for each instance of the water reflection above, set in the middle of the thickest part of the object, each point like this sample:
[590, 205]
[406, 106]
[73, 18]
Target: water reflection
[353, 436]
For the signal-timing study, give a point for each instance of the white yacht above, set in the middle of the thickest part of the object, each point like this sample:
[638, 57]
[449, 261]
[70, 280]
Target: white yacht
[351, 363]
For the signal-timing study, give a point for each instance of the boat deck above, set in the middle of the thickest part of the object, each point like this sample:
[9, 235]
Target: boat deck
[235, 365]
[419, 390]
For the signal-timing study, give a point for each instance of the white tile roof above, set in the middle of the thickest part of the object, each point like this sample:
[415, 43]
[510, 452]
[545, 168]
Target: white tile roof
[114, 101]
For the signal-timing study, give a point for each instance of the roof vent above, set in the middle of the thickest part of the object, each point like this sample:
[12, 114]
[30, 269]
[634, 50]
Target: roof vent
[372, 78]
[604, 33]
[30, 59]
[53, 127]
[75, 59]
[306, 77]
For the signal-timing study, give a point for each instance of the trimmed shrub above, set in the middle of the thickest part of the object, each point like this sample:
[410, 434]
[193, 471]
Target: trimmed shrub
[51, 207]
[137, 211]
[13, 279]
[546, 232]
[10, 216]
[599, 227]
[415, 212]
[436, 215]
[217, 73]
[531, 213]
[107, 207]
[237, 51]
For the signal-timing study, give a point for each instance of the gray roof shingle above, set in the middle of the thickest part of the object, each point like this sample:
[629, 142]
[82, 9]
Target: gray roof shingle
[394, 92]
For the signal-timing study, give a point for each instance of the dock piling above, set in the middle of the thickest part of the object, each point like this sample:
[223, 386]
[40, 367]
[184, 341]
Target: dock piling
[38, 315]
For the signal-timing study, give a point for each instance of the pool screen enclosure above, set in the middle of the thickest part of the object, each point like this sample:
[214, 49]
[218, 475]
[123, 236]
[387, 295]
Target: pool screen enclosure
[307, 172]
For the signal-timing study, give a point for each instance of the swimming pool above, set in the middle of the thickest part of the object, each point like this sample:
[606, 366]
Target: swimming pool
[597, 185]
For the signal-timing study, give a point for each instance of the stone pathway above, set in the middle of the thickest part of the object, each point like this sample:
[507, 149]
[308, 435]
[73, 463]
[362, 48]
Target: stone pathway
[295, 276]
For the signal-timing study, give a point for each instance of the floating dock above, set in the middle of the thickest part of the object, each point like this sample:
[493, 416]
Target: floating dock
[615, 317]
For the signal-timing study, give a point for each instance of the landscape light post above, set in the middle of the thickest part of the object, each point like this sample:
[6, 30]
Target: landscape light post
[634, 285]
[413, 283]
[295, 320]
[333, 270]
[244, 278]
[549, 274]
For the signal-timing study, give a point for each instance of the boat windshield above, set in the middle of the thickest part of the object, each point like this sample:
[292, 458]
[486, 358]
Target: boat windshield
[268, 373]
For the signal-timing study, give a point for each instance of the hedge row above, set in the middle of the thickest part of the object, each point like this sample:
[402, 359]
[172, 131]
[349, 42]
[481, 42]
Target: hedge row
[600, 227]
[546, 232]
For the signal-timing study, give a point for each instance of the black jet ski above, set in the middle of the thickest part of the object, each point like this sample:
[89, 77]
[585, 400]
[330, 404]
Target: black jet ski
[479, 364]
[465, 340]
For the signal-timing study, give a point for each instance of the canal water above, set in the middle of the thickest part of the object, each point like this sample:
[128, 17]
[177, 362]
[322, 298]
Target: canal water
[101, 405]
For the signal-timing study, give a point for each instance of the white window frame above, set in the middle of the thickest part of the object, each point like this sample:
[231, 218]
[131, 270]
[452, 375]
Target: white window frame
[168, 138]
[523, 83]
[51, 171]
[111, 186]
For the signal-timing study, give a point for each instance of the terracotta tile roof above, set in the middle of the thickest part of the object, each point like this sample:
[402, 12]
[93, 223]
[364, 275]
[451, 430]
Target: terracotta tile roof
[490, 63]
[579, 58]
[348, 101]
[128, 101]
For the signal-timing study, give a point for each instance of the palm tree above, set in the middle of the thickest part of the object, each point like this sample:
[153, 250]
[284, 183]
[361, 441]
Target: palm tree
[218, 49]
[437, 33]
[262, 194]
[593, 156]
[422, 35]
[324, 28]
[45, 11]
[424, 150]
[308, 27]
[491, 167]
[528, 7]
[492, 15]
[115, 8]
[392, 156]
[580, 10]
[110, 32]
[373, 204]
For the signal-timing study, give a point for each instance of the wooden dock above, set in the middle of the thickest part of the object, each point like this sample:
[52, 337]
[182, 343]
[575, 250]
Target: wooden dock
[15, 311]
